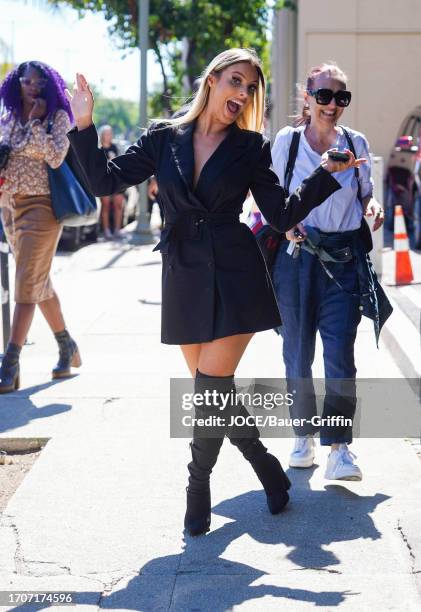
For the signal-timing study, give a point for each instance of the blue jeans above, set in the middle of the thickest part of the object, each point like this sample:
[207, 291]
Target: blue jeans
[309, 301]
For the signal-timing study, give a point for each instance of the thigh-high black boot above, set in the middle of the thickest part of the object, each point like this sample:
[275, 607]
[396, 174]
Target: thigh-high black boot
[245, 436]
[205, 447]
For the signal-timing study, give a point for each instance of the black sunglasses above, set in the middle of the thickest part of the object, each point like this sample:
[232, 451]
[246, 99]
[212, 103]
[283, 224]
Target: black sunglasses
[324, 96]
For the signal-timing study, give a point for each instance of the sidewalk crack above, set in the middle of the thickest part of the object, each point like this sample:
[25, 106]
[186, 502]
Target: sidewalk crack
[25, 567]
[61, 569]
[110, 400]
[18, 558]
[409, 547]
[107, 588]
[177, 571]
[317, 569]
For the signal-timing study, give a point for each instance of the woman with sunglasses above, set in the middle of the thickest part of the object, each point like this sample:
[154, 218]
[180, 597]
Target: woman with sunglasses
[32, 96]
[320, 291]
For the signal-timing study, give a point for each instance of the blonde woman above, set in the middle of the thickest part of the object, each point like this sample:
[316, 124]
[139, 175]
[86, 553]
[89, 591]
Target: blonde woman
[215, 288]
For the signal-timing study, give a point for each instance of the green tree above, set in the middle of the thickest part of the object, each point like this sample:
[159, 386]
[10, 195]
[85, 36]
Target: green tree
[122, 115]
[185, 35]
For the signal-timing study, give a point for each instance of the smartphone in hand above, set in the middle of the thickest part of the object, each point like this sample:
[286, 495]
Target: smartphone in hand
[338, 156]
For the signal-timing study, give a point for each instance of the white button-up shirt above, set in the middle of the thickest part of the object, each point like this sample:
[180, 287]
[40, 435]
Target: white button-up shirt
[342, 211]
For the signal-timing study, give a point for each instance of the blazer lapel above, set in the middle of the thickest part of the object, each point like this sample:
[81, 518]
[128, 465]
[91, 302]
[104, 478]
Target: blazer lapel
[182, 150]
[229, 151]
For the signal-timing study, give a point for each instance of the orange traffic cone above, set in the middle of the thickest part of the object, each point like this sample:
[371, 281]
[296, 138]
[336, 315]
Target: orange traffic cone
[403, 269]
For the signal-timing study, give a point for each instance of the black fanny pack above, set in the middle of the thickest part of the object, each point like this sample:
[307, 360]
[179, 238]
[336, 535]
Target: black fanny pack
[333, 248]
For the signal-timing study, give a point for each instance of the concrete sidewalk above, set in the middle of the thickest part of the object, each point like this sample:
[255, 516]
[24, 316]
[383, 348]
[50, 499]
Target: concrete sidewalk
[101, 511]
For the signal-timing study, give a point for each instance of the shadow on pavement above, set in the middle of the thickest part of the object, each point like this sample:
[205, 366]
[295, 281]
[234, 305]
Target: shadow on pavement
[19, 409]
[200, 578]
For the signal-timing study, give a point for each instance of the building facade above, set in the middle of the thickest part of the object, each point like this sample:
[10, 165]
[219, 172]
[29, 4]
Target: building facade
[378, 45]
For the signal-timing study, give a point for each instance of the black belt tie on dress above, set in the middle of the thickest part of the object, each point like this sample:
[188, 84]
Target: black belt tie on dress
[188, 226]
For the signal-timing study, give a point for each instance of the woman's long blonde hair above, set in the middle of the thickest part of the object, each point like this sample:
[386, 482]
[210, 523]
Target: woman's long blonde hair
[252, 117]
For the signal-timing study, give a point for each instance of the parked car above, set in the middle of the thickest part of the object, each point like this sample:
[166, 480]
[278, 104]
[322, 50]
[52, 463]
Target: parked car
[403, 177]
[72, 237]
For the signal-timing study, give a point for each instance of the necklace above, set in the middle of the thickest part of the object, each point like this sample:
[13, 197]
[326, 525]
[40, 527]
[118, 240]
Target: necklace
[21, 134]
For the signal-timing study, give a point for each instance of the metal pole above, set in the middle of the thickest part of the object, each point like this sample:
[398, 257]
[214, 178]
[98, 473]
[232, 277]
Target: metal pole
[378, 239]
[4, 287]
[143, 234]
[284, 68]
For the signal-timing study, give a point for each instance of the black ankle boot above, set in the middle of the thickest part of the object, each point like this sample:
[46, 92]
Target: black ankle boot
[9, 369]
[204, 452]
[69, 355]
[266, 466]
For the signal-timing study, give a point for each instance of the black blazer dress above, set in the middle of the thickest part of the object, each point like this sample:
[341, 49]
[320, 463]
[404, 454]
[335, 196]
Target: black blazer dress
[214, 278]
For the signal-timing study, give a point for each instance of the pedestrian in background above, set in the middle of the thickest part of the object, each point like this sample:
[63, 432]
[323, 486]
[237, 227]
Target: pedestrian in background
[31, 96]
[216, 292]
[309, 299]
[114, 202]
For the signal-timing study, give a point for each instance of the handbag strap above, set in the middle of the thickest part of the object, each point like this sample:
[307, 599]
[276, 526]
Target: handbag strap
[356, 170]
[50, 123]
[293, 152]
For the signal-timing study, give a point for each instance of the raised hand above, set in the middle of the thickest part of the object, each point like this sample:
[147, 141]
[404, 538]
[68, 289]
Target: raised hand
[81, 102]
[334, 166]
[39, 109]
[374, 209]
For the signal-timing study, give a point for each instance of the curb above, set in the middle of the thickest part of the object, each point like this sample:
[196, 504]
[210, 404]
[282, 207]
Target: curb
[407, 357]
[13, 445]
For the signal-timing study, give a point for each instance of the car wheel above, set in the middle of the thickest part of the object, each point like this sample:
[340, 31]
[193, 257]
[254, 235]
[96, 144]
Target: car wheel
[93, 233]
[72, 243]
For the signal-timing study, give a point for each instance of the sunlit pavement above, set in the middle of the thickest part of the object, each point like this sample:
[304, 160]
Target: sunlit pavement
[101, 512]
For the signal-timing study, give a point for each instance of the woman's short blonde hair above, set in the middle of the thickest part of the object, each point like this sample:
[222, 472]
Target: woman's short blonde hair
[252, 117]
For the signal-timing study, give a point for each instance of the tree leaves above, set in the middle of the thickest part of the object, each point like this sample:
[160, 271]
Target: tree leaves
[185, 34]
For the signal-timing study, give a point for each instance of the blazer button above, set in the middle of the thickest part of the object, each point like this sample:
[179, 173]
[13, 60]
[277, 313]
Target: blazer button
[210, 264]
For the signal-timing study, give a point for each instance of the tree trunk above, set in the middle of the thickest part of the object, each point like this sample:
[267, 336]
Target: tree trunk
[191, 47]
[166, 92]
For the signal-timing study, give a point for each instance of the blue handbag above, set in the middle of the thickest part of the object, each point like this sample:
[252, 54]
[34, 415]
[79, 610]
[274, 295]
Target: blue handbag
[72, 202]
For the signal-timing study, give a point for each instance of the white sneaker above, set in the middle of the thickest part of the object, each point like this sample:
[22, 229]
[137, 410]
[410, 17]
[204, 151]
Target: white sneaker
[303, 454]
[341, 466]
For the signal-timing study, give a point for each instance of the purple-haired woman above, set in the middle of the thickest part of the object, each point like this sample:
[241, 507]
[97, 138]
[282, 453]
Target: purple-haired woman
[31, 96]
